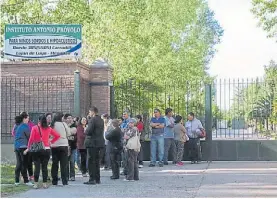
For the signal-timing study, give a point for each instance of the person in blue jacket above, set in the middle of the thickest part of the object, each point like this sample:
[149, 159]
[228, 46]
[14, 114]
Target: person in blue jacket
[21, 138]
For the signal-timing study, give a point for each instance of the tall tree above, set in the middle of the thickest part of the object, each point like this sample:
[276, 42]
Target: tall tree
[266, 12]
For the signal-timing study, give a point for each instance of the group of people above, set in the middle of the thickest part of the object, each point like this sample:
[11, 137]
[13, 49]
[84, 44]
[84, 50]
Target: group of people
[98, 140]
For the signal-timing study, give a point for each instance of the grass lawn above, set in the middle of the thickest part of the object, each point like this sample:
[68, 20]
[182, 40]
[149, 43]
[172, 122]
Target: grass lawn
[7, 182]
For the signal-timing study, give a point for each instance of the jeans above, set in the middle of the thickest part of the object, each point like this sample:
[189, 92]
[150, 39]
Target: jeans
[168, 144]
[94, 163]
[21, 165]
[71, 164]
[41, 159]
[107, 156]
[59, 155]
[78, 159]
[157, 141]
[194, 149]
[179, 150]
[133, 171]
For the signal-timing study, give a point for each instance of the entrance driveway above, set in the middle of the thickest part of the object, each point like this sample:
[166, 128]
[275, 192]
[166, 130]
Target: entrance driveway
[216, 179]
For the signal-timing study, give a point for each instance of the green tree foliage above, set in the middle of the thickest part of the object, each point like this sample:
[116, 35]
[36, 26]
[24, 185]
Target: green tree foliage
[256, 100]
[154, 42]
[266, 12]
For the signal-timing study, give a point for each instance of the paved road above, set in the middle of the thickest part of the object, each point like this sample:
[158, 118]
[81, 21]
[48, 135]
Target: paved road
[217, 179]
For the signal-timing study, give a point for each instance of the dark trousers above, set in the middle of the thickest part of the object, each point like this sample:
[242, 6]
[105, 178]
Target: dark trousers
[30, 165]
[71, 164]
[83, 153]
[124, 161]
[168, 144]
[115, 159]
[21, 165]
[41, 159]
[102, 153]
[93, 154]
[140, 155]
[132, 164]
[59, 155]
[194, 149]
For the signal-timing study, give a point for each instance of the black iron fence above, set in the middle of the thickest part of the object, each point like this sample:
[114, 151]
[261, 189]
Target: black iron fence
[242, 109]
[35, 95]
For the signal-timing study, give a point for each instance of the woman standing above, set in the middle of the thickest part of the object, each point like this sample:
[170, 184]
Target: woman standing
[81, 145]
[133, 148]
[140, 127]
[108, 127]
[21, 137]
[116, 148]
[42, 132]
[59, 150]
[179, 139]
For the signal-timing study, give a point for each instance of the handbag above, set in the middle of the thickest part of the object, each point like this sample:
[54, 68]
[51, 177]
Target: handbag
[134, 143]
[203, 133]
[69, 148]
[37, 146]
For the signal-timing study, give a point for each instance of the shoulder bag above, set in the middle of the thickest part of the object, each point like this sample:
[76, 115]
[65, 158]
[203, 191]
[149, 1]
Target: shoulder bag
[37, 146]
[69, 148]
[134, 143]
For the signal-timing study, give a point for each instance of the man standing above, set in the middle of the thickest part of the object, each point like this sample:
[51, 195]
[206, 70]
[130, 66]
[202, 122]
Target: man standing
[169, 136]
[124, 125]
[72, 142]
[157, 139]
[125, 122]
[194, 127]
[94, 142]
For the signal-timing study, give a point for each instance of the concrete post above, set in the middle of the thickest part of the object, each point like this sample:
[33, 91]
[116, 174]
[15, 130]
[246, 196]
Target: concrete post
[77, 104]
[208, 119]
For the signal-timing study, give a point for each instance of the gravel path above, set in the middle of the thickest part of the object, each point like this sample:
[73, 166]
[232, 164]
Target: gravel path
[216, 179]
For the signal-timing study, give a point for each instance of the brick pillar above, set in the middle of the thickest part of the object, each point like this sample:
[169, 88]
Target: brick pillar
[101, 80]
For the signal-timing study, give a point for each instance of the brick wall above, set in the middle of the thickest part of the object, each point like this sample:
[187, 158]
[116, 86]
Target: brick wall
[49, 87]
[100, 94]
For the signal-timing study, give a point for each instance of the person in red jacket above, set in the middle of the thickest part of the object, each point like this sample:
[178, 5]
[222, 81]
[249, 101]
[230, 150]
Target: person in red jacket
[140, 127]
[81, 144]
[42, 132]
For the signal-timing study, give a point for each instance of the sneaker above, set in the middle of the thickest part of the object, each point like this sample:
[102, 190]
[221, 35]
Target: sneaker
[151, 165]
[180, 164]
[125, 180]
[17, 184]
[193, 162]
[31, 178]
[72, 179]
[44, 185]
[165, 163]
[161, 164]
[140, 166]
[29, 184]
[85, 175]
[123, 174]
[35, 186]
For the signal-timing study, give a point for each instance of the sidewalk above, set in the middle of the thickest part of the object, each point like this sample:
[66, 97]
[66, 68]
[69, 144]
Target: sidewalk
[216, 179]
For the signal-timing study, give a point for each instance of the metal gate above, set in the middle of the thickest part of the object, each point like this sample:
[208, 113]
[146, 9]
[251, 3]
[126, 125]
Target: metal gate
[240, 116]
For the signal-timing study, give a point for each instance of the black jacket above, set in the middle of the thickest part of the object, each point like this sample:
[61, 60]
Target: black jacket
[95, 133]
[115, 138]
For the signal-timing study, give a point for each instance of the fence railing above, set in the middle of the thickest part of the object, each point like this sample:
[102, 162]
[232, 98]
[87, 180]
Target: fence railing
[35, 95]
[242, 109]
